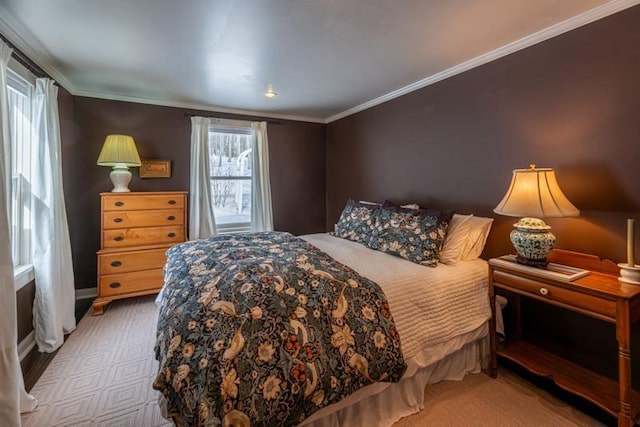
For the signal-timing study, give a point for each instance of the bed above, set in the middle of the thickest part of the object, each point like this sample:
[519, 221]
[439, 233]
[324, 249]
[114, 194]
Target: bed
[429, 325]
[441, 315]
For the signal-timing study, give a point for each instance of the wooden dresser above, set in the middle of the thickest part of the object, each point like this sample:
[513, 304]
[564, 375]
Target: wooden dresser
[135, 232]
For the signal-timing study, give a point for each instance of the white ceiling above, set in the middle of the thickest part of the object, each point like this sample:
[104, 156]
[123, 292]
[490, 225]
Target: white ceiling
[325, 59]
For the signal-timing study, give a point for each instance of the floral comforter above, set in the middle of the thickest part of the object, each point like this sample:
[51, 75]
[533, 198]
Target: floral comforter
[265, 329]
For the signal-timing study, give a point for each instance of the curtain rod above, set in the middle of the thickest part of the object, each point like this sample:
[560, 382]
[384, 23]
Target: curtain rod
[269, 121]
[24, 60]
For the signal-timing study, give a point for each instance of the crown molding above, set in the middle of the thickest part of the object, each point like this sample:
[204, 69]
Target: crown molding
[196, 106]
[577, 21]
[22, 38]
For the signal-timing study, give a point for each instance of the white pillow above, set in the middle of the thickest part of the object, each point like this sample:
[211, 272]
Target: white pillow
[477, 237]
[456, 239]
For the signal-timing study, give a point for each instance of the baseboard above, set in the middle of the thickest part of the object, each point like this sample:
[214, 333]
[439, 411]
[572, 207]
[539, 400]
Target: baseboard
[26, 345]
[86, 293]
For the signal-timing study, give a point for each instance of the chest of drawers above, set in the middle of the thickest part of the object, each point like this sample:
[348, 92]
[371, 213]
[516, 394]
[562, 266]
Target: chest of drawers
[135, 232]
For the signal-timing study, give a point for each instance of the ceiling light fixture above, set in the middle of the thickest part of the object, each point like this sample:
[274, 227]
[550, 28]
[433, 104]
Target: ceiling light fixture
[270, 93]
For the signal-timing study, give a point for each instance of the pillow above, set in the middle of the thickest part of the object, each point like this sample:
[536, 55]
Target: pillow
[477, 237]
[416, 235]
[357, 221]
[456, 239]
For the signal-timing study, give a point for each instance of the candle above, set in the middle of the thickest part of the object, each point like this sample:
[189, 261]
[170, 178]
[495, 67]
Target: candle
[630, 243]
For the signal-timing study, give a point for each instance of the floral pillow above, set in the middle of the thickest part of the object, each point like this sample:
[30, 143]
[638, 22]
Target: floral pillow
[357, 222]
[414, 234]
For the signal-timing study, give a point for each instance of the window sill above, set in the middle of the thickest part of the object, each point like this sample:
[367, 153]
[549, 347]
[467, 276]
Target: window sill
[22, 275]
[233, 228]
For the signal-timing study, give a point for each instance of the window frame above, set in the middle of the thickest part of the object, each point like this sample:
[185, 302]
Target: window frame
[18, 85]
[238, 128]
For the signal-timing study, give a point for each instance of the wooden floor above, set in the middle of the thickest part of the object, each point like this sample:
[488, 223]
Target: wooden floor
[34, 364]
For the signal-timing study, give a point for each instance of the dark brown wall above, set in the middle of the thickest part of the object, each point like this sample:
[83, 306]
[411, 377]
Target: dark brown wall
[571, 103]
[24, 306]
[297, 167]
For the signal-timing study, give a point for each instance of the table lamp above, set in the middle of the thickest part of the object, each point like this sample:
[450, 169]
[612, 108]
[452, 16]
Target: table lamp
[534, 194]
[120, 152]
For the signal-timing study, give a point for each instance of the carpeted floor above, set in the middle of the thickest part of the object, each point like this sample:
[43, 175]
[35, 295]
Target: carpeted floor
[103, 374]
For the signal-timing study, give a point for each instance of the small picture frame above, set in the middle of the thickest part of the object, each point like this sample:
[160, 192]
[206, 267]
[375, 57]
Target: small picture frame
[155, 168]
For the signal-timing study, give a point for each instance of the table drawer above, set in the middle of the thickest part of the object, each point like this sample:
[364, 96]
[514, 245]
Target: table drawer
[556, 294]
[123, 262]
[120, 238]
[126, 283]
[134, 202]
[149, 218]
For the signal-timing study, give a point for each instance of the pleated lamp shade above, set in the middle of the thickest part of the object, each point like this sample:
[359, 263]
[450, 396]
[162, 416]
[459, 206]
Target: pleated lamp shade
[119, 150]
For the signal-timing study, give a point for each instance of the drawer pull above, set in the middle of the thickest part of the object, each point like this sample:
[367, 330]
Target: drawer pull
[114, 285]
[116, 264]
[118, 238]
[172, 202]
[171, 218]
[119, 203]
[117, 219]
[544, 291]
[171, 234]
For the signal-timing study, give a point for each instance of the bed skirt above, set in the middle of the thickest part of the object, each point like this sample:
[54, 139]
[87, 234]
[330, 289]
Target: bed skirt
[382, 404]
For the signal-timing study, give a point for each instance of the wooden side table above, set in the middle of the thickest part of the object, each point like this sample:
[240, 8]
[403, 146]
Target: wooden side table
[598, 294]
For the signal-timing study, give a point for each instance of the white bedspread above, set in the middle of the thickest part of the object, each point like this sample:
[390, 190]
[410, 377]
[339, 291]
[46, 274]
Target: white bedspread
[429, 305]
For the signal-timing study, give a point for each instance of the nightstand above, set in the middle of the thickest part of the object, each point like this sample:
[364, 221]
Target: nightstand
[597, 294]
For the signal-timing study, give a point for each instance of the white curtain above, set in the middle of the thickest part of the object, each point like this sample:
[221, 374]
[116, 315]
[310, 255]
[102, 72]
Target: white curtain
[261, 211]
[201, 218]
[54, 306]
[13, 397]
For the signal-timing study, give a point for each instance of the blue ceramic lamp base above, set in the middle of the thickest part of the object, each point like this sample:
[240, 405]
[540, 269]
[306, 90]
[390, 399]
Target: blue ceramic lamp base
[533, 241]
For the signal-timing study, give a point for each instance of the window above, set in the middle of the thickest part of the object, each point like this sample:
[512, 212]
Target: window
[231, 172]
[20, 131]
